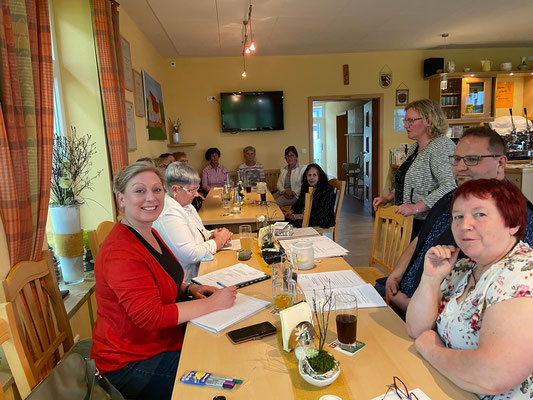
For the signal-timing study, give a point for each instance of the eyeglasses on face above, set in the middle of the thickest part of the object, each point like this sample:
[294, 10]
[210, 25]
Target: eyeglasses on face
[190, 191]
[471, 160]
[400, 389]
[411, 121]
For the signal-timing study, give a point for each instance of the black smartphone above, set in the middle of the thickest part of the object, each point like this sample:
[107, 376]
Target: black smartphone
[247, 333]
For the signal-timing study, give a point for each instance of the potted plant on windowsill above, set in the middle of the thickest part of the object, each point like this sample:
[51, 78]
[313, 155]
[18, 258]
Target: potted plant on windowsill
[71, 175]
[317, 366]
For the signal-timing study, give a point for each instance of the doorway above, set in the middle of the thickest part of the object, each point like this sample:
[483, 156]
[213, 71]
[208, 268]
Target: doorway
[347, 129]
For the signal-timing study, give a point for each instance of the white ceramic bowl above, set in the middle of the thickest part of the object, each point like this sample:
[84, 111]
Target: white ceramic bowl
[317, 382]
[506, 66]
[466, 69]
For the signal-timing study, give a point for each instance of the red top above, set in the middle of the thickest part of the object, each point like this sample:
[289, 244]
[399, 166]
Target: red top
[137, 316]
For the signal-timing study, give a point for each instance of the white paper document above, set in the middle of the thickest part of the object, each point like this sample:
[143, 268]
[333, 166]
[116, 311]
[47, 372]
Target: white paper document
[235, 244]
[299, 233]
[323, 246]
[393, 396]
[337, 279]
[244, 307]
[366, 295]
[239, 274]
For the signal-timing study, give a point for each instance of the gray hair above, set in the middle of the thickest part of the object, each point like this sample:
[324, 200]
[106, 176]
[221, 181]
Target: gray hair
[248, 148]
[181, 174]
[127, 173]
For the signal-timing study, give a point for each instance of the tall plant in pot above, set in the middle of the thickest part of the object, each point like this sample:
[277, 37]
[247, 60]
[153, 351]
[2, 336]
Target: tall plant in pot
[71, 175]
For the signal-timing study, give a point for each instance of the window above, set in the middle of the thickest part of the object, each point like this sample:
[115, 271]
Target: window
[59, 119]
[318, 112]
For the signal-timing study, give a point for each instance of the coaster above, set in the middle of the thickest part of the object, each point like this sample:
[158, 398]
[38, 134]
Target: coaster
[336, 345]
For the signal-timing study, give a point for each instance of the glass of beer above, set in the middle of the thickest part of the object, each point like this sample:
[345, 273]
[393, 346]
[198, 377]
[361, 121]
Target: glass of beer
[346, 319]
[245, 235]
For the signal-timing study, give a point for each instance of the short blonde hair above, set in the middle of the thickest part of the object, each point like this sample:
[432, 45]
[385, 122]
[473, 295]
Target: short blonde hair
[430, 111]
[127, 173]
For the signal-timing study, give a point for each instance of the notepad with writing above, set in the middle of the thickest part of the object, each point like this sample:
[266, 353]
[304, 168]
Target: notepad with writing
[244, 307]
[239, 275]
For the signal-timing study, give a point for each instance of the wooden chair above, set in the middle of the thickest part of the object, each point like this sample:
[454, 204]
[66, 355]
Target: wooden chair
[39, 329]
[308, 206]
[352, 175]
[392, 235]
[97, 237]
[4, 336]
[339, 190]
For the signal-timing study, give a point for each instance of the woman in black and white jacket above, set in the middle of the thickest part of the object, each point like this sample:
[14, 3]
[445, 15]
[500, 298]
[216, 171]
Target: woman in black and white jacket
[426, 174]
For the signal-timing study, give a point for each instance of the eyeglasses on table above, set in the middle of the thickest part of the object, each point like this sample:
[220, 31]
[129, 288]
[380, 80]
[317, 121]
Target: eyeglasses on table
[400, 389]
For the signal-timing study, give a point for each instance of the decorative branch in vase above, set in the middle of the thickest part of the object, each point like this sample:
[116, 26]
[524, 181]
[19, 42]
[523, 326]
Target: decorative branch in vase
[175, 125]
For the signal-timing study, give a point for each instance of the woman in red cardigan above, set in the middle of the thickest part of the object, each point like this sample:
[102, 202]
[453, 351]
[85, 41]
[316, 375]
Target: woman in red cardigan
[140, 293]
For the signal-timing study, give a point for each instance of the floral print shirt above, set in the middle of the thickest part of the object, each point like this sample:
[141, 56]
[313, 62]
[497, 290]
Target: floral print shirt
[458, 324]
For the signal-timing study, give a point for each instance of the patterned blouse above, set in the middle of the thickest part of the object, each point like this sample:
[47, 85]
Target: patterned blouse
[458, 325]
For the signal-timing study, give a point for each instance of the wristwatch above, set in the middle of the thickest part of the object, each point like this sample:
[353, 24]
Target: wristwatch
[186, 293]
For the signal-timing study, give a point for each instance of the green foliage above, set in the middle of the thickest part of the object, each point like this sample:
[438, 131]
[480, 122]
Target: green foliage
[322, 362]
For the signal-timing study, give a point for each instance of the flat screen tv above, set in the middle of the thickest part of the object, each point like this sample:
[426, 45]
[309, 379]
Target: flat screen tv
[251, 111]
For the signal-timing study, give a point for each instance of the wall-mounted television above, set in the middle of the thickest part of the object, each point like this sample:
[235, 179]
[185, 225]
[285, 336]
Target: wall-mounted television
[251, 111]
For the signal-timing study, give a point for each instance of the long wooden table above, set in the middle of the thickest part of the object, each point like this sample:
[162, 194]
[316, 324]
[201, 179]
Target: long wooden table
[388, 352]
[211, 211]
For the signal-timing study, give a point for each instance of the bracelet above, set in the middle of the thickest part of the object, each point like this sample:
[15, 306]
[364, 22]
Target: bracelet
[186, 293]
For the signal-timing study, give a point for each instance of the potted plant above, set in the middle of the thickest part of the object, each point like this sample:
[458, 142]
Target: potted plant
[317, 366]
[175, 126]
[71, 175]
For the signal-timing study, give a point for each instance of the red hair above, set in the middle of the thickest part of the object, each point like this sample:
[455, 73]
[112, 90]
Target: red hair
[508, 199]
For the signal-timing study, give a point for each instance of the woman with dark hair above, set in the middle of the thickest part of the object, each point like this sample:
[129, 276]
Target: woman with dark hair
[290, 179]
[471, 317]
[213, 174]
[322, 211]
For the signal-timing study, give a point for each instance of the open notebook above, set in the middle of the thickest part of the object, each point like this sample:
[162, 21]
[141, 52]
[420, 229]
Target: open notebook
[244, 307]
[239, 275]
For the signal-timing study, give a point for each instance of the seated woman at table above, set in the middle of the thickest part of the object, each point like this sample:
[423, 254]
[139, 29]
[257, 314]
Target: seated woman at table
[472, 317]
[322, 210]
[213, 174]
[180, 225]
[137, 337]
[290, 179]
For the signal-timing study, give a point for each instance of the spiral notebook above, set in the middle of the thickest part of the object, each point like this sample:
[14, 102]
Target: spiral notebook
[239, 275]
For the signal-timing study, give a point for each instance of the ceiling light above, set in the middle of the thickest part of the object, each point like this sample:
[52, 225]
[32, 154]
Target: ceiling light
[252, 46]
[247, 51]
[248, 44]
[243, 74]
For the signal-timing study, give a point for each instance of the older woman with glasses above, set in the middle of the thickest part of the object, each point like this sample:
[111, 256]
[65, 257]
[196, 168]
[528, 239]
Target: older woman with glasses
[471, 317]
[426, 174]
[180, 225]
[290, 179]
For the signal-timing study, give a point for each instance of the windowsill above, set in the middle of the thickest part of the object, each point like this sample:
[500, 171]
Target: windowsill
[79, 293]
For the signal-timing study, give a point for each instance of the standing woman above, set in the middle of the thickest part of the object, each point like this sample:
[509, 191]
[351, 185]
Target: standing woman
[290, 179]
[322, 211]
[426, 174]
[181, 227]
[137, 337]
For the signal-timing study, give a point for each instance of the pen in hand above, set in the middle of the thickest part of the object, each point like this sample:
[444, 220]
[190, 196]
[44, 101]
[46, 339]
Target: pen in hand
[221, 284]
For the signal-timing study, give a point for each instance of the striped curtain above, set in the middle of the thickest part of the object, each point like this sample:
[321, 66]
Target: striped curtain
[111, 73]
[26, 125]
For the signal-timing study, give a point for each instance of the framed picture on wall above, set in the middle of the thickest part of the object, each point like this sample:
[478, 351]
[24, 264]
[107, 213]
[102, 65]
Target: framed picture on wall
[138, 94]
[130, 124]
[155, 109]
[402, 97]
[126, 61]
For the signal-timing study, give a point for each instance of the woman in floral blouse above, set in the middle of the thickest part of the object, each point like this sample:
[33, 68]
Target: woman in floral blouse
[482, 306]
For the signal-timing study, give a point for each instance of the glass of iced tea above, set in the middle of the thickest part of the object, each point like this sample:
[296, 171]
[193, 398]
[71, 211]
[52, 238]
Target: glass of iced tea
[346, 319]
[245, 235]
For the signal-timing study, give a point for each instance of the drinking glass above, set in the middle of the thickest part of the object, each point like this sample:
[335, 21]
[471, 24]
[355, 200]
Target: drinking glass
[245, 235]
[262, 189]
[226, 203]
[283, 285]
[346, 319]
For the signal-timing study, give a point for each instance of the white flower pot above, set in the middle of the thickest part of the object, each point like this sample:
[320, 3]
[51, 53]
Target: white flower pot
[175, 137]
[66, 219]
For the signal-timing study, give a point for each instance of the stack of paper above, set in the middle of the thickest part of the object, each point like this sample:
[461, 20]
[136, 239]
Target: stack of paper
[239, 275]
[244, 307]
[340, 282]
[299, 233]
[323, 246]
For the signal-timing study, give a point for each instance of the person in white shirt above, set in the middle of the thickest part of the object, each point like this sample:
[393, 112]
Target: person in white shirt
[290, 179]
[180, 226]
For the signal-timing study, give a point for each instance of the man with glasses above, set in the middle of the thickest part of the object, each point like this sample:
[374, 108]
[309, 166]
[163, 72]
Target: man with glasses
[479, 154]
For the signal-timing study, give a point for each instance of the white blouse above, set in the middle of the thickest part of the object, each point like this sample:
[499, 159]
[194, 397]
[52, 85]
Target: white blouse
[184, 233]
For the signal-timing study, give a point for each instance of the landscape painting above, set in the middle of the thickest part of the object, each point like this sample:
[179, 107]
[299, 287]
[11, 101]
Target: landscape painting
[155, 110]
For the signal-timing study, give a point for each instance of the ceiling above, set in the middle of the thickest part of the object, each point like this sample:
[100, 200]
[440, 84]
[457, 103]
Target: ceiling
[213, 28]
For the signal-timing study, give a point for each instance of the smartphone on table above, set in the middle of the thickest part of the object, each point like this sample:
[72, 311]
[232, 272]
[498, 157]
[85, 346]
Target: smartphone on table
[251, 332]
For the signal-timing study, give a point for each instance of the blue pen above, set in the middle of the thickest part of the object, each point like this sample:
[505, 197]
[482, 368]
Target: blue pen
[221, 284]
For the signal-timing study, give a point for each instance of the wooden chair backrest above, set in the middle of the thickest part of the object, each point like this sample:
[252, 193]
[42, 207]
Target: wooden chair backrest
[38, 323]
[339, 187]
[97, 237]
[4, 336]
[392, 234]
[308, 206]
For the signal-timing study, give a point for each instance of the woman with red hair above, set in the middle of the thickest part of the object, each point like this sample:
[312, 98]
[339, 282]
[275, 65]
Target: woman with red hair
[471, 318]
